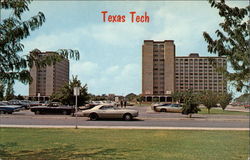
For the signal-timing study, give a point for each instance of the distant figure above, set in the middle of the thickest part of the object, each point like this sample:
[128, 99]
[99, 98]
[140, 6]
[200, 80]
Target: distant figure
[125, 104]
[121, 104]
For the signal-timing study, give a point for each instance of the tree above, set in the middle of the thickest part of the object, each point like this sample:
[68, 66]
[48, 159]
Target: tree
[190, 105]
[66, 94]
[209, 99]
[140, 99]
[19, 97]
[177, 96]
[12, 30]
[2, 88]
[9, 93]
[224, 100]
[131, 97]
[232, 43]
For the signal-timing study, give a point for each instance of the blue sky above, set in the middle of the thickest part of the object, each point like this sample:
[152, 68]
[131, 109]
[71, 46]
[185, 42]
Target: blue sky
[110, 53]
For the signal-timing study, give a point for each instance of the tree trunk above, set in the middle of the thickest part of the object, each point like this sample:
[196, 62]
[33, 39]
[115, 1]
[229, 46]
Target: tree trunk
[208, 110]
[190, 115]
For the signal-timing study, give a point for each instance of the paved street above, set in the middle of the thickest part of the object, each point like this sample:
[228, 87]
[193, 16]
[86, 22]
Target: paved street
[147, 118]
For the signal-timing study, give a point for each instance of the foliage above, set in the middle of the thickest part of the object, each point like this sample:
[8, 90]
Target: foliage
[13, 30]
[243, 98]
[209, 99]
[224, 100]
[177, 96]
[9, 93]
[19, 97]
[2, 88]
[131, 97]
[232, 43]
[190, 104]
[66, 94]
[140, 98]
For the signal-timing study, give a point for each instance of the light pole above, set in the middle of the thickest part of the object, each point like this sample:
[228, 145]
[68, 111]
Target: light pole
[76, 93]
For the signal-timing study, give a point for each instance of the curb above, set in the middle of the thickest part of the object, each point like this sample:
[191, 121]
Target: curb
[126, 127]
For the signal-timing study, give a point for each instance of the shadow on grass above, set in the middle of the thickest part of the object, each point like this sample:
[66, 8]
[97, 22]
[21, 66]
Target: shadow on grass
[64, 152]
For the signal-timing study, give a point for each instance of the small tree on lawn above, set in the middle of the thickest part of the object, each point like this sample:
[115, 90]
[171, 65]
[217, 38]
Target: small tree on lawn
[139, 99]
[177, 96]
[209, 99]
[66, 94]
[225, 99]
[190, 105]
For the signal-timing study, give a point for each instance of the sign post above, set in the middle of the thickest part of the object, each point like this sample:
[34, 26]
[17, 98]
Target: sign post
[76, 93]
[38, 96]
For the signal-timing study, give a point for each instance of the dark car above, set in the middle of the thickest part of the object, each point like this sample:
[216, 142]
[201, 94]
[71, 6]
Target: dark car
[25, 104]
[53, 108]
[5, 108]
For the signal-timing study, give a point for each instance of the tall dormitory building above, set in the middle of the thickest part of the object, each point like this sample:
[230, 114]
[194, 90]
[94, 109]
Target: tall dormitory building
[49, 79]
[163, 73]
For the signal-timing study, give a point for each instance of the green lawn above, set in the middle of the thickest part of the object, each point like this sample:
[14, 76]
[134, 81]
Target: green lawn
[220, 111]
[106, 144]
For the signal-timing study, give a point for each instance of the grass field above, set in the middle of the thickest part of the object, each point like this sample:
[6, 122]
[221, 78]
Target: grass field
[116, 144]
[220, 111]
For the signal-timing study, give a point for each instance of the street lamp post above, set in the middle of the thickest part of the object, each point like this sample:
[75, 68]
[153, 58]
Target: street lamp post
[76, 93]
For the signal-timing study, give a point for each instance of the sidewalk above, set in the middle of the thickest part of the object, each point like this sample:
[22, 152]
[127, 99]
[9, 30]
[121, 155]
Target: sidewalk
[126, 127]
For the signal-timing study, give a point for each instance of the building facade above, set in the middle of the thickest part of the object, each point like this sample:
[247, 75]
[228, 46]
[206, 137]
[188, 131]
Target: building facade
[163, 73]
[158, 69]
[49, 79]
[196, 73]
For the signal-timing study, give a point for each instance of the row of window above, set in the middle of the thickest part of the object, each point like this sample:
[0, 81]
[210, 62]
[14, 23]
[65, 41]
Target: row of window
[201, 88]
[158, 59]
[196, 74]
[198, 59]
[196, 71]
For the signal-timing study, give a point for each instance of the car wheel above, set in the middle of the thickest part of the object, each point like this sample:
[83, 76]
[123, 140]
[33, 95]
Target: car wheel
[93, 116]
[37, 112]
[64, 112]
[127, 117]
[163, 110]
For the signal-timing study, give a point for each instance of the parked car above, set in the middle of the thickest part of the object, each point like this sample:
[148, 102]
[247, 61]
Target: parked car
[109, 111]
[53, 108]
[167, 107]
[5, 108]
[15, 102]
[87, 106]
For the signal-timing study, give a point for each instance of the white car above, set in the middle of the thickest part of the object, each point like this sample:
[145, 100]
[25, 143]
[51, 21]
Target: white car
[109, 111]
[167, 107]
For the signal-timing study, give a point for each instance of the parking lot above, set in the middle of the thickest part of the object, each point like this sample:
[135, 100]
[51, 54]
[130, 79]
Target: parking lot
[146, 118]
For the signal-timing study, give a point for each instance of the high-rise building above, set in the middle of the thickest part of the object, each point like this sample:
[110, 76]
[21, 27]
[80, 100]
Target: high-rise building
[49, 79]
[158, 68]
[163, 73]
[196, 73]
